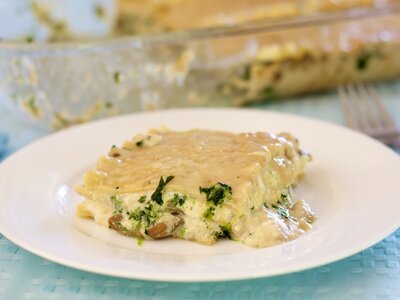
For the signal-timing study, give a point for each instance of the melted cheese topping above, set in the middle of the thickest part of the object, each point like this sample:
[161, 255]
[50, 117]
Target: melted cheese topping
[199, 185]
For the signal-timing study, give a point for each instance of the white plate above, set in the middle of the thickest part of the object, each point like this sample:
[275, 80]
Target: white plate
[352, 184]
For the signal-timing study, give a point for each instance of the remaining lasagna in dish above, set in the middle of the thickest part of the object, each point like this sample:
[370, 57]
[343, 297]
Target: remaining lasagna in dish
[200, 185]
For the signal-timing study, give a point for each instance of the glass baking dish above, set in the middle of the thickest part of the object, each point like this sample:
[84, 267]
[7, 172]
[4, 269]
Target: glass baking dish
[65, 83]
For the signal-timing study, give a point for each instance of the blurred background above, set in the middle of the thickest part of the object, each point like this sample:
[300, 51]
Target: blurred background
[64, 62]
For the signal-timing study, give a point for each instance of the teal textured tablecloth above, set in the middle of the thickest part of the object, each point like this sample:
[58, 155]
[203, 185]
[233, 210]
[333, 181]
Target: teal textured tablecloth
[372, 274]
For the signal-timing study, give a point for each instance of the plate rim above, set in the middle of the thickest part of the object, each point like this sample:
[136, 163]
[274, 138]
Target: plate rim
[87, 267]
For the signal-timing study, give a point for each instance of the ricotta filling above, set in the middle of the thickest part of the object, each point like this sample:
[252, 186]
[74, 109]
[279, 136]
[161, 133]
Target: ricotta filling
[200, 185]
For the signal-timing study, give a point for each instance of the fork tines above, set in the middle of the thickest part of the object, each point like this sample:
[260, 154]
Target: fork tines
[364, 111]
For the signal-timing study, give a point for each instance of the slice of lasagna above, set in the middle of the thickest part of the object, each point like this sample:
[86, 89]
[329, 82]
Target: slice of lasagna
[200, 185]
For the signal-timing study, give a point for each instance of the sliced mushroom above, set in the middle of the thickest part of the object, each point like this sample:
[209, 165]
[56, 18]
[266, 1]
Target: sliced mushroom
[158, 231]
[115, 223]
[165, 226]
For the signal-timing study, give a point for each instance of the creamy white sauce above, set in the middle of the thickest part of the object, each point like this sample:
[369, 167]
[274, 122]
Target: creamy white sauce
[252, 172]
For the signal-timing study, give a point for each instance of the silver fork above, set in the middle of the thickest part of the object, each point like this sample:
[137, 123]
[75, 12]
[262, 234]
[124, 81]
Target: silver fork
[364, 111]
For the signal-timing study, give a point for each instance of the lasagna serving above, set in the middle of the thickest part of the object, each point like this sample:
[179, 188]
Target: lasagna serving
[200, 185]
